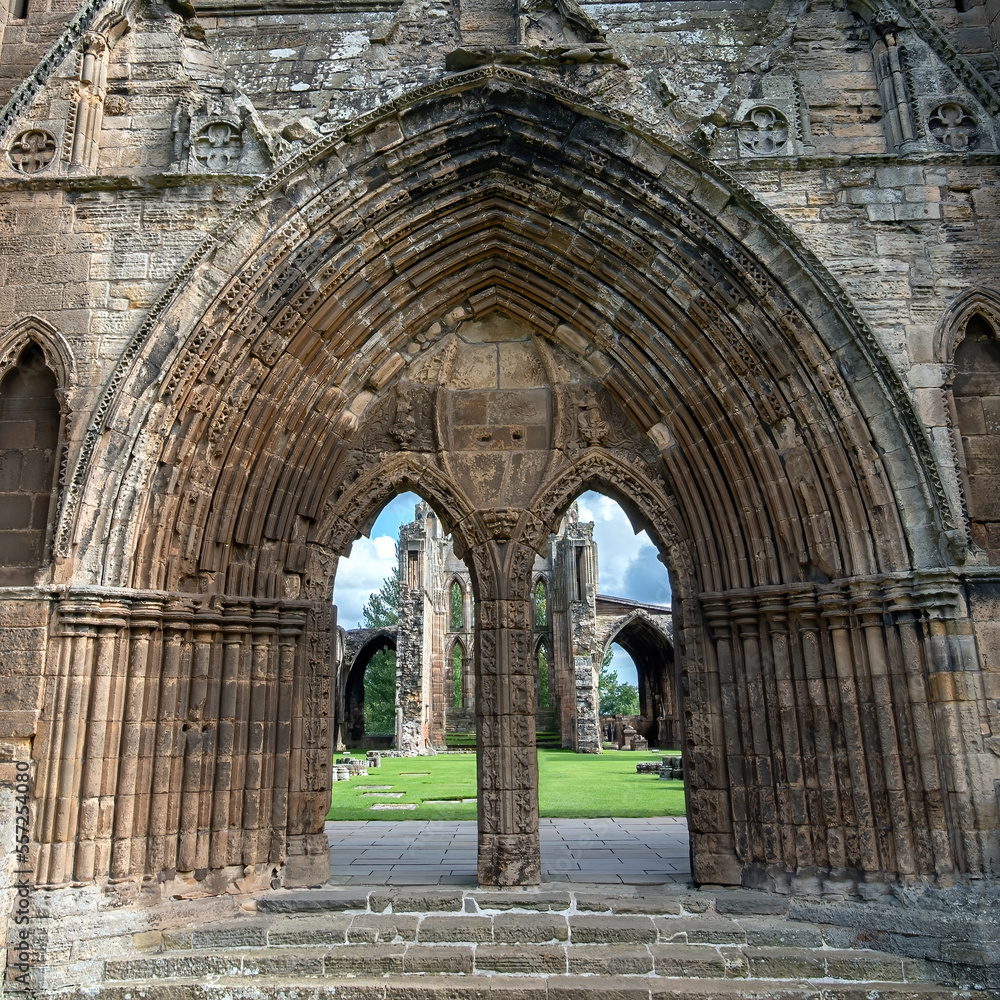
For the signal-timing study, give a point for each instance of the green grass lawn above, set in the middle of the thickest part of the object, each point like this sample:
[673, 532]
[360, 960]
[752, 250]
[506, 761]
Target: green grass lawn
[570, 785]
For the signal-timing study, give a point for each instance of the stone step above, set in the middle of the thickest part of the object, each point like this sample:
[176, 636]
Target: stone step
[647, 943]
[554, 959]
[506, 927]
[501, 987]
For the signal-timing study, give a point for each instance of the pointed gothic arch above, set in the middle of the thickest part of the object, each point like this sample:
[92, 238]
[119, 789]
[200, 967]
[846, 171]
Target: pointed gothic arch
[649, 642]
[694, 371]
[951, 327]
[972, 349]
[34, 423]
[540, 603]
[357, 657]
[58, 355]
[542, 661]
[456, 605]
[458, 658]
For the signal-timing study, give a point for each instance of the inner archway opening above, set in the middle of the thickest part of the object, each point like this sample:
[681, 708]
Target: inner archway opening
[613, 594]
[407, 698]
[366, 595]
[633, 630]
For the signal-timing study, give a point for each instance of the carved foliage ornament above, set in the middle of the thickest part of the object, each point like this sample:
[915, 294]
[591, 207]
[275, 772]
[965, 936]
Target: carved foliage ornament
[218, 146]
[953, 127]
[763, 132]
[32, 151]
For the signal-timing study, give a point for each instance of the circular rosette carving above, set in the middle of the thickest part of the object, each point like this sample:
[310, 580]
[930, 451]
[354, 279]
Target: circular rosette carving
[218, 146]
[763, 132]
[32, 151]
[953, 126]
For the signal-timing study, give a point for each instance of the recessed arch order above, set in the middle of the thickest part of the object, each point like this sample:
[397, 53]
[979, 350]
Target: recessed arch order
[654, 331]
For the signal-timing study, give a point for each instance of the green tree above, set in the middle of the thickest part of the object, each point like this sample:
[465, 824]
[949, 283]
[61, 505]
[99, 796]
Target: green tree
[543, 676]
[381, 610]
[457, 669]
[540, 599]
[380, 693]
[616, 697]
[457, 611]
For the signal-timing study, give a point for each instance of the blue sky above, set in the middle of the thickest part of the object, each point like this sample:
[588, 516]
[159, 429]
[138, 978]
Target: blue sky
[627, 562]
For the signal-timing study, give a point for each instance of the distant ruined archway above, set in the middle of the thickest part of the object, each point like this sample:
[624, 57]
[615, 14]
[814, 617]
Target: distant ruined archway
[647, 638]
[498, 298]
[357, 649]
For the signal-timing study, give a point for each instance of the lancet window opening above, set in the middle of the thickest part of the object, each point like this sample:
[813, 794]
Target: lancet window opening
[456, 607]
[543, 686]
[540, 605]
[457, 663]
[976, 392]
[30, 432]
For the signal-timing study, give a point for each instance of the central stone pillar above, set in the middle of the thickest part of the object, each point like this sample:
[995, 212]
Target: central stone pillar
[509, 852]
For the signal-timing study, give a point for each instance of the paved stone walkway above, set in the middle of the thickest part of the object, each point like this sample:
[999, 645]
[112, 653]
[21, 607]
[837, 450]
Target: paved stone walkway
[422, 852]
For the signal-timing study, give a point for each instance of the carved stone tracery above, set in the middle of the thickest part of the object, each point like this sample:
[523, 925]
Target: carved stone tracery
[217, 146]
[953, 126]
[32, 151]
[764, 131]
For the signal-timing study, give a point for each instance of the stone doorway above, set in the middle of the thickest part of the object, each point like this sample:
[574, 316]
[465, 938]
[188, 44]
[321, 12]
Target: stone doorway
[564, 303]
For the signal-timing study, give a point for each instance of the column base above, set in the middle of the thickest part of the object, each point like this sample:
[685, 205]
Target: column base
[509, 859]
[307, 864]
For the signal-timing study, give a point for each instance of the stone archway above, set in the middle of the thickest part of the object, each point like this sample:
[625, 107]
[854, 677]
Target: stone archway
[357, 651]
[647, 640]
[624, 316]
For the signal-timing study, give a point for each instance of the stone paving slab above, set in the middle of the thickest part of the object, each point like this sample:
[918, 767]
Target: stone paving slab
[781, 934]
[378, 928]
[461, 928]
[523, 899]
[654, 905]
[701, 930]
[425, 852]
[612, 929]
[609, 960]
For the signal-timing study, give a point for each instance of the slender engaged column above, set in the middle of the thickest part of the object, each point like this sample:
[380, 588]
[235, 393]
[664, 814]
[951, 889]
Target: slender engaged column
[287, 756]
[147, 739]
[164, 805]
[909, 626]
[127, 855]
[796, 834]
[826, 812]
[96, 799]
[946, 678]
[260, 739]
[870, 614]
[836, 614]
[195, 811]
[766, 756]
[227, 788]
[717, 615]
[79, 621]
